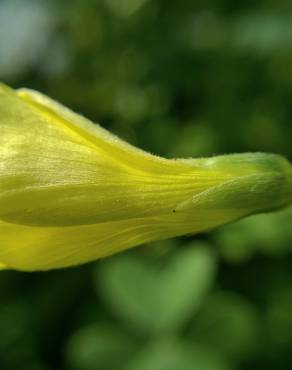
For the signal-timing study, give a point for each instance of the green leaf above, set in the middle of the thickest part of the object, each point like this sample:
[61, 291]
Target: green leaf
[229, 324]
[171, 354]
[158, 298]
[267, 233]
[97, 347]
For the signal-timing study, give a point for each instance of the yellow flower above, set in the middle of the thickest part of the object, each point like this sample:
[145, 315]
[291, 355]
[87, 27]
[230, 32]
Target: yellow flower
[71, 192]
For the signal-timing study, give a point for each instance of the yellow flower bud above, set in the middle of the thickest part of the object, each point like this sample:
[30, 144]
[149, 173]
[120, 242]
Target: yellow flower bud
[71, 192]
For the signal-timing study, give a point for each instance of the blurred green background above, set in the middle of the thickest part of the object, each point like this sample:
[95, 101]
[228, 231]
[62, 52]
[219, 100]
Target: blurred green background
[177, 78]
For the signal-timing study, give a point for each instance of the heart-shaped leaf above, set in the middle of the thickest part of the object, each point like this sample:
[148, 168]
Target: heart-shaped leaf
[157, 295]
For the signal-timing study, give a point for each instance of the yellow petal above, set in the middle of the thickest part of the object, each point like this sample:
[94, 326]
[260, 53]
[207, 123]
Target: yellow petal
[31, 248]
[2, 266]
[59, 169]
[71, 192]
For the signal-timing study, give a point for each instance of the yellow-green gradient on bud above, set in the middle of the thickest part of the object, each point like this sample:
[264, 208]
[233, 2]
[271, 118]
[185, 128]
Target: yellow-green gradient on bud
[256, 182]
[71, 192]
